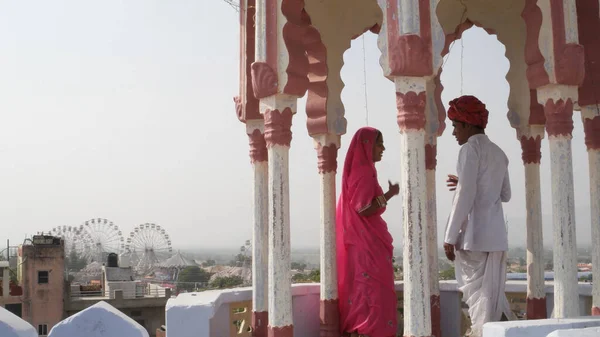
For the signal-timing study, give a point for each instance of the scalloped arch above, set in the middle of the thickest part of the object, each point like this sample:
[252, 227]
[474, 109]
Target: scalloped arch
[507, 24]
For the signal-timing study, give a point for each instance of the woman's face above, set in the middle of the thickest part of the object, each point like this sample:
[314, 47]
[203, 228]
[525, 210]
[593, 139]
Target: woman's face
[378, 148]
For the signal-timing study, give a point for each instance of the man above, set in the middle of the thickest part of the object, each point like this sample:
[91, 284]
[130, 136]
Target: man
[476, 235]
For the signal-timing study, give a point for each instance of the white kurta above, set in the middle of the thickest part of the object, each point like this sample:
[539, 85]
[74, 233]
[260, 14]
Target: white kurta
[476, 227]
[476, 222]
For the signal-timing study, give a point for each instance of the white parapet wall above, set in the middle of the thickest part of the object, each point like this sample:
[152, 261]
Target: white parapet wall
[207, 314]
[211, 313]
[587, 332]
[538, 328]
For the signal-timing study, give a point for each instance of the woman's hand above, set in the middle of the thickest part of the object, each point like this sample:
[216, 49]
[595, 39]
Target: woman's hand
[452, 182]
[393, 189]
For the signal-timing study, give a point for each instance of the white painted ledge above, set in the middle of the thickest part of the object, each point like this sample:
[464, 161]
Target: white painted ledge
[587, 332]
[538, 328]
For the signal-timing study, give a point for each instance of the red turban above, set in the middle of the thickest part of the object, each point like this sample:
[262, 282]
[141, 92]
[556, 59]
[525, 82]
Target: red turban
[468, 109]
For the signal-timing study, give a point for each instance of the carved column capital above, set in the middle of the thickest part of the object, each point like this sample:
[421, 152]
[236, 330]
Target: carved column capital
[258, 146]
[590, 116]
[327, 146]
[532, 149]
[530, 138]
[411, 96]
[278, 127]
[559, 117]
[327, 158]
[558, 108]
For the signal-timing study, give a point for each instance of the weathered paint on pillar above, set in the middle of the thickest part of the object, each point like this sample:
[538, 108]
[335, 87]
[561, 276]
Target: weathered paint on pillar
[279, 77]
[410, 101]
[531, 141]
[588, 21]
[411, 43]
[278, 135]
[432, 243]
[327, 148]
[247, 109]
[558, 109]
[260, 233]
[591, 125]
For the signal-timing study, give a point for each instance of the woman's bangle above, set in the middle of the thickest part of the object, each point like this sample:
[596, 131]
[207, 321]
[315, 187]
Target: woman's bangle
[382, 201]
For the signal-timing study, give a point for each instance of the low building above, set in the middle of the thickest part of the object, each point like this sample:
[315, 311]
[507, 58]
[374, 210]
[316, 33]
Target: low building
[143, 302]
[11, 299]
[41, 266]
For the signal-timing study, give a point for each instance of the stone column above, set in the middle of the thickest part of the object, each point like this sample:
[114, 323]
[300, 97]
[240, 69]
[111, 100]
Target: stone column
[327, 148]
[558, 109]
[531, 141]
[591, 125]
[247, 109]
[260, 232]
[410, 100]
[432, 243]
[279, 77]
[278, 135]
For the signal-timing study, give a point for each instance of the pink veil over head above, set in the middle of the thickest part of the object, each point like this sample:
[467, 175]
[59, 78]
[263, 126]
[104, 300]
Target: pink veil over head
[359, 159]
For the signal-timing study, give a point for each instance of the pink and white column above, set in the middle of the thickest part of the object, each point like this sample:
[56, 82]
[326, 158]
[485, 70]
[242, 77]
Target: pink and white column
[260, 233]
[590, 116]
[411, 56]
[558, 109]
[278, 136]
[557, 79]
[279, 77]
[410, 100]
[531, 141]
[327, 148]
[248, 112]
[588, 22]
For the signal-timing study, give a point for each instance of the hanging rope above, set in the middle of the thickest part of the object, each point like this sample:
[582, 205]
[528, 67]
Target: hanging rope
[234, 4]
[462, 57]
[462, 19]
[365, 80]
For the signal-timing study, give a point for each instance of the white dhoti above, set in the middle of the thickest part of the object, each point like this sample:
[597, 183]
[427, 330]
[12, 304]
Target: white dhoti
[481, 278]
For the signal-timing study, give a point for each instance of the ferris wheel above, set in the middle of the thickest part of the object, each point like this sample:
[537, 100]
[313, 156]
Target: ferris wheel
[105, 238]
[76, 240]
[150, 243]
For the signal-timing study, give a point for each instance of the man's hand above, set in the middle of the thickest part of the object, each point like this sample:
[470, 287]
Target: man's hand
[452, 182]
[449, 250]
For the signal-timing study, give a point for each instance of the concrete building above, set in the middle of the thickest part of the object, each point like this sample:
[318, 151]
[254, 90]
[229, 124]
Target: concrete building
[41, 265]
[44, 298]
[11, 299]
[141, 301]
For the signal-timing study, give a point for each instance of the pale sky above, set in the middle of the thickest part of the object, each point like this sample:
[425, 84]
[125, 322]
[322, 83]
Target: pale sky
[123, 110]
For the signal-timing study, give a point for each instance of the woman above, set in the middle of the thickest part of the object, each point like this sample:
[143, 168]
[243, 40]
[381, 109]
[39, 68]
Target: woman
[367, 298]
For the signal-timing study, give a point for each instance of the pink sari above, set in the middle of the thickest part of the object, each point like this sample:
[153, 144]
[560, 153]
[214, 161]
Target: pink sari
[367, 298]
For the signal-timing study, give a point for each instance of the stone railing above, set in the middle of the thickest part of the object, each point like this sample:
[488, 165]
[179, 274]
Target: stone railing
[228, 313]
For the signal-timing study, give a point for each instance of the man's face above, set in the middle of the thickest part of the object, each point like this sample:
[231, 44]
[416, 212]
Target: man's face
[461, 132]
